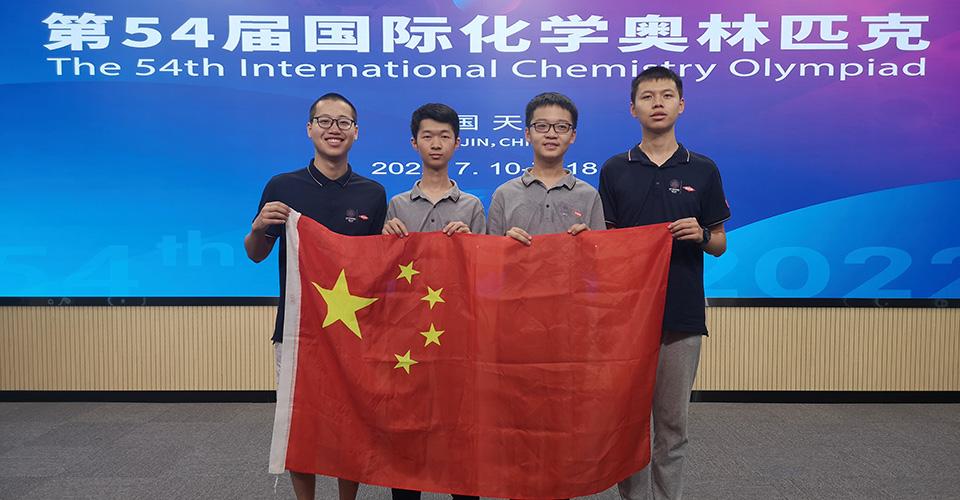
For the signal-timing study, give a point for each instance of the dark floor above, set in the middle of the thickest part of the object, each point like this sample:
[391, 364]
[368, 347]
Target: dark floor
[739, 451]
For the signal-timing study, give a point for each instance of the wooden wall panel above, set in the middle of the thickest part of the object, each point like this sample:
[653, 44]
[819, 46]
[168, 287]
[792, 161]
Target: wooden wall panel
[228, 348]
[831, 349]
[136, 348]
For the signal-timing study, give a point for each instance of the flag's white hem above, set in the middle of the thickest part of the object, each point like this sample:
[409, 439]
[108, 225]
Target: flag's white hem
[288, 354]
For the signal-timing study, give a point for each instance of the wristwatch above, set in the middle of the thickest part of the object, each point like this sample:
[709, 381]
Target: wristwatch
[706, 236]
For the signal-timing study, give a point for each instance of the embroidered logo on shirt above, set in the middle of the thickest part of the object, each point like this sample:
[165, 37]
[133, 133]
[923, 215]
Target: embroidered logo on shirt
[689, 189]
[674, 186]
[351, 215]
[363, 217]
[566, 210]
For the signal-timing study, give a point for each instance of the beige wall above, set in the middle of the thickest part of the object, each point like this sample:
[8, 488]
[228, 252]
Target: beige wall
[228, 348]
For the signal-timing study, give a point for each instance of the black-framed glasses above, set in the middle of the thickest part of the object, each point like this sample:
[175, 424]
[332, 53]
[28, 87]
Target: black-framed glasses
[544, 127]
[327, 122]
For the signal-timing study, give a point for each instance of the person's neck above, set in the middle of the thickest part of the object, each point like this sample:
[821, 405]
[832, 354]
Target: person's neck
[659, 146]
[331, 168]
[548, 171]
[435, 183]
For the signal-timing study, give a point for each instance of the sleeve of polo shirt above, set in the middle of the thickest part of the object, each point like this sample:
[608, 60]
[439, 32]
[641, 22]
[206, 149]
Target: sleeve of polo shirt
[495, 221]
[380, 216]
[391, 209]
[597, 221]
[268, 195]
[478, 220]
[606, 197]
[713, 206]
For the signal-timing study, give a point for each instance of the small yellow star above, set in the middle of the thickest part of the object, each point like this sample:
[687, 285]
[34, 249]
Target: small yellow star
[433, 336]
[341, 306]
[433, 296]
[404, 362]
[407, 272]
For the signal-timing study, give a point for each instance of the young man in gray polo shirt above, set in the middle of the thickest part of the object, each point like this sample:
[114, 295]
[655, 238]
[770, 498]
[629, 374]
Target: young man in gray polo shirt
[547, 198]
[435, 203]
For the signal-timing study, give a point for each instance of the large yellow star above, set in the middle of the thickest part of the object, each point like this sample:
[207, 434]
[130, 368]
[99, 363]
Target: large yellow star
[433, 336]
[404, 362]
[433, 296]
[407, 272]
[341, 306]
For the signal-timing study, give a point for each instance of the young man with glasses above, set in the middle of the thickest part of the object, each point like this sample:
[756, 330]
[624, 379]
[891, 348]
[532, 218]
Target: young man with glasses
[330, 192]
[659, 181]
[547, 198]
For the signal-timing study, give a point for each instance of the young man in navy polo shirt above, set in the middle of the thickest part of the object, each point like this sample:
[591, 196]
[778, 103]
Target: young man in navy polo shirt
[660, 181]
[330, 192]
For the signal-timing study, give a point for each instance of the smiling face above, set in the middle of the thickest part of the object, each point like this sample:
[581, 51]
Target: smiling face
[436, 142]
[332, 143]
[657, 105]
[550, 145]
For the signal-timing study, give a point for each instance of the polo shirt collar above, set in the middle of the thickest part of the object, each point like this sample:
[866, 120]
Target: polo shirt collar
[322, 179]
[680, 156]
[567, 181]
[453, 193]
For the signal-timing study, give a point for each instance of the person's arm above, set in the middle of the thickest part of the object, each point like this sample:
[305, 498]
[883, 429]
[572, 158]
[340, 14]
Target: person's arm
[478, 223]
[455, 226]
[258, 243]
[497, 224]
[597, 218]
[393, 225]
[380, 216]
[689, 229]
[520, 235]
[718, 241]
[495, 220]
[714, 211]
[392, 209]
[607, 200]
[594, 218]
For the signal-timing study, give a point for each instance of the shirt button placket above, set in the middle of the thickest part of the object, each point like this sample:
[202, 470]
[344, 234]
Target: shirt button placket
[548, 212]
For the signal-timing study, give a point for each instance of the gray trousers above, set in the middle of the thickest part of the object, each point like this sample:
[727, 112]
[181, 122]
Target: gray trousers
[676, 370]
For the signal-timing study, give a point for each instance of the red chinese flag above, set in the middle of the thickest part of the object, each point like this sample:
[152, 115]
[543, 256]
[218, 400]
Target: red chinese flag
[470, 364]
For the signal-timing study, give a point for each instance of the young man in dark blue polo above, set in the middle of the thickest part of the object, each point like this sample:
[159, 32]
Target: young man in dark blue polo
[661, 181]
[330, 192]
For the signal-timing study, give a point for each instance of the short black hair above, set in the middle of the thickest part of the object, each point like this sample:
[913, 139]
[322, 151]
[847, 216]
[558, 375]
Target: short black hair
[655, 73]
[436, 112]
[551, 99]
[332, 96]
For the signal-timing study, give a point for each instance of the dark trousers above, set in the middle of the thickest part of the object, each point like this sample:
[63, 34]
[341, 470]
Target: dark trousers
[399, 494]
